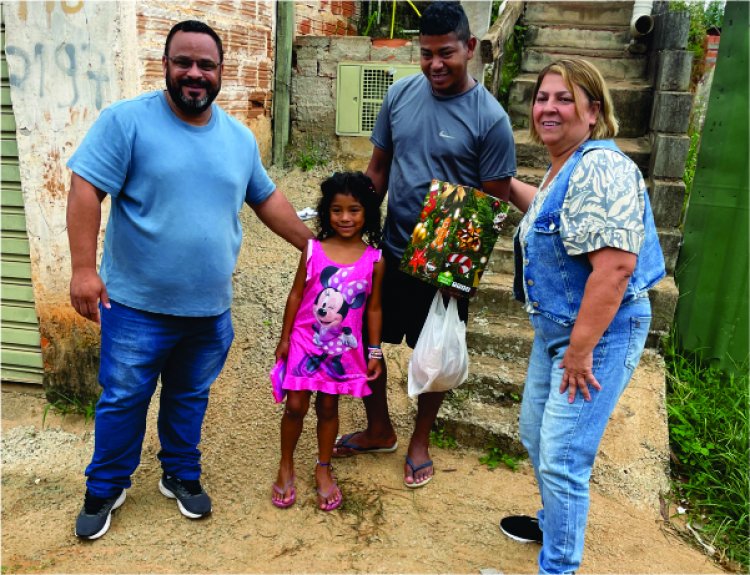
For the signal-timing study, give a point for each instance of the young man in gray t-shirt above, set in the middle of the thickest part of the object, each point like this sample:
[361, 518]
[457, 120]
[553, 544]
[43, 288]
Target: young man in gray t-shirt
[442, 124]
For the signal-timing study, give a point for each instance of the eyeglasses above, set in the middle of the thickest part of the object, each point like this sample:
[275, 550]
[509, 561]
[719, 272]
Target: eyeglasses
[182, 63]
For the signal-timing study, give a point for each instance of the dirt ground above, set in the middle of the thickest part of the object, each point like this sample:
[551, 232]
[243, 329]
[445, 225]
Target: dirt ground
[449, 526]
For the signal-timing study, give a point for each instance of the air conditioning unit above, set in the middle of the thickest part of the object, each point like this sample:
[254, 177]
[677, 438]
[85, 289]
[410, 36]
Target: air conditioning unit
[360, 91]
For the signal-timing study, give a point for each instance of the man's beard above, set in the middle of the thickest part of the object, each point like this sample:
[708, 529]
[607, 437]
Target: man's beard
[188, 105]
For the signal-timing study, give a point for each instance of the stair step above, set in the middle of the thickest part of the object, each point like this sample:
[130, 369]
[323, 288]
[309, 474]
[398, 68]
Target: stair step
[587, 13]
[535, 155]
[481, 425]
[495, 380]
[636, 443]
[578, 36]
[511, 222]
[495, 298]
[501, 260]
[632, 100]
[530, 175]
[500, 335]
[613, 64]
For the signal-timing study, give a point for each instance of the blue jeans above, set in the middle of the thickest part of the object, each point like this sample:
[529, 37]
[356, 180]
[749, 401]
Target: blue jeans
[562, 438]
[137, 347]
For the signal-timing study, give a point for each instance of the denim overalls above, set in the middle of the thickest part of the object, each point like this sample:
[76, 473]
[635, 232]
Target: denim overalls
[562, 439]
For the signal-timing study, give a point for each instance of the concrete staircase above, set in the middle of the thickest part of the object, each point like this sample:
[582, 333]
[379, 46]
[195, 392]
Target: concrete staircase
[484, 411]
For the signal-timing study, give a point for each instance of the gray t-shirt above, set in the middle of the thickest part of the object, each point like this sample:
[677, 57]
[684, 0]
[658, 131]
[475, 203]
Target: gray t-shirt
[465, 139]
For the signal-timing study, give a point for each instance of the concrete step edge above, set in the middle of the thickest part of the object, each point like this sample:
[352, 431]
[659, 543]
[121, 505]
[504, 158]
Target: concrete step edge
[613, 84]
[593, 53]
[481, 425]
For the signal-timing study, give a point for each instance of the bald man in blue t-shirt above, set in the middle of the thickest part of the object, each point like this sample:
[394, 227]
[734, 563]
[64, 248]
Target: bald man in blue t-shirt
[178, 170]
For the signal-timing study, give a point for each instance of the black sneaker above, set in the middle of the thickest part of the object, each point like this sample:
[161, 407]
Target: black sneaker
[521, 528]
[192, 500]
[93, 520]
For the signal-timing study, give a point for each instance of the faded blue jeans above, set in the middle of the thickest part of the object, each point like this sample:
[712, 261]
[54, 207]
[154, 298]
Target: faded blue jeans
[136, 348]
[562, 438]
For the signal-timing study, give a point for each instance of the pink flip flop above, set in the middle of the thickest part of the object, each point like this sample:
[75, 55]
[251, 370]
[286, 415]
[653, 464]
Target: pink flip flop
[288, 488]
[336, 503]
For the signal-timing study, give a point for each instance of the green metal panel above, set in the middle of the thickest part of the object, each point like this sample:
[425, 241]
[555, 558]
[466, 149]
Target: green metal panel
[406, 70]
[17, 292]
[347, 99]
[15, 246]
[12, 221]
[21, 357]
[19, 336]
[11, 313]
[7, 122]
[9, 171]
[712, 271]
[11, 196]
[362, 86]
[8, 148]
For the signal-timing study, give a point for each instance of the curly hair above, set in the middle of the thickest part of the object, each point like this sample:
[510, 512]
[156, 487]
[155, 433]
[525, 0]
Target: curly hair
[360, 187]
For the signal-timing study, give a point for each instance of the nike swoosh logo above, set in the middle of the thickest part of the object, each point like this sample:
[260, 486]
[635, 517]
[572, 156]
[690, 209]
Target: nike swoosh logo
[444, 134]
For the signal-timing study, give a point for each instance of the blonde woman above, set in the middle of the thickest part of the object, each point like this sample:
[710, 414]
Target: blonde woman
[586, 255]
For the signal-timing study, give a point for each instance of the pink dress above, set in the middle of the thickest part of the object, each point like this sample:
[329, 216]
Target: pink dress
[325, 347]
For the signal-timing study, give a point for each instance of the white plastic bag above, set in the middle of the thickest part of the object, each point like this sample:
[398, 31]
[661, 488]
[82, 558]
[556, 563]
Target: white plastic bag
[440, 360]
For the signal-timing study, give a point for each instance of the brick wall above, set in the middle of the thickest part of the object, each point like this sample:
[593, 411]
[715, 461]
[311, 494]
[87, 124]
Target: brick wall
[326, 18]
[247, 32]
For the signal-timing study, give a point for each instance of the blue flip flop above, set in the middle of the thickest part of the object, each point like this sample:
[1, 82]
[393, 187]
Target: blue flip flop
[416, 468]
[344, 441]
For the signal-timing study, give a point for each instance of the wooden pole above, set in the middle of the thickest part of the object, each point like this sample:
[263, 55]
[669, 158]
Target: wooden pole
[283, 78]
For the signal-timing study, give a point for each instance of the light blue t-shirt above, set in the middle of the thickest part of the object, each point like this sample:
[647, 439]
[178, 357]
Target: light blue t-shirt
[173, 233]
[464, 139]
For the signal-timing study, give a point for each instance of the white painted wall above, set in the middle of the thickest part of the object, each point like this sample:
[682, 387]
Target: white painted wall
[65, 65]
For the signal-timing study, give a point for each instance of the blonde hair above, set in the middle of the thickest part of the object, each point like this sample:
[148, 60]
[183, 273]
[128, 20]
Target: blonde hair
[581, 73]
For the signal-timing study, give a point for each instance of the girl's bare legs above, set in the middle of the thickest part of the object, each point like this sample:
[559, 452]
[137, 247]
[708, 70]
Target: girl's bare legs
[297, 404]
[327, 409]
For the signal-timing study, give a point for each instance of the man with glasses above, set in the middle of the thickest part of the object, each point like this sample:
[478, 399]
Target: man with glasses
[177, 169]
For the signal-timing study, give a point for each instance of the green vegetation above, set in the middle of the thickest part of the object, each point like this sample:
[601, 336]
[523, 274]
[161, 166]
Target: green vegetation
[702, 17]
[691, 162]
[311, 154]
[512, 53]
[708, 431]
[496, 456]
[390, 19]
[439, 438]
[61, 404]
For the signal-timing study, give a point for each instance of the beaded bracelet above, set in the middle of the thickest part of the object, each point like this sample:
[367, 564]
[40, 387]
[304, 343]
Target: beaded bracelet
[374, 352]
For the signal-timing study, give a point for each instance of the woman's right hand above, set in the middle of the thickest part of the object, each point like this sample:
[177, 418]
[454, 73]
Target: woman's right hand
[282, 350]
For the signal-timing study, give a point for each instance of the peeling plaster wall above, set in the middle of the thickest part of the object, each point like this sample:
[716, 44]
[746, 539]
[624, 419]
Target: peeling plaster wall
[65, 65]
[67, 61]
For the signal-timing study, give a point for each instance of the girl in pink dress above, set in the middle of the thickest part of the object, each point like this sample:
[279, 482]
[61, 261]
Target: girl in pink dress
[322, 340]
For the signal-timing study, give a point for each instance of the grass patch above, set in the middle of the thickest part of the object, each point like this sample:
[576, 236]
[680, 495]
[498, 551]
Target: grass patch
[61, 404]
[311, 154]
[708, 432]
[439, 437]
[495, 457]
